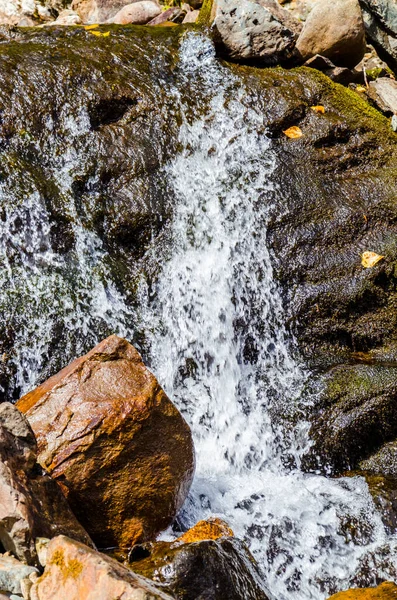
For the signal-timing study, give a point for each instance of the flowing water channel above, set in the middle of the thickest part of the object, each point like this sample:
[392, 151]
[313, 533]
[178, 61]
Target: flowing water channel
[215, 335]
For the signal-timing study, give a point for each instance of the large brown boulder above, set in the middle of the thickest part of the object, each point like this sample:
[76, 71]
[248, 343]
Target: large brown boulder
[31, 504]
[109, 435]
[75, 572]
[334, 30]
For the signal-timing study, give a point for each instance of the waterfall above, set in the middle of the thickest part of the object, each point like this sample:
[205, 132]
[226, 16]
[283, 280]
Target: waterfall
[220, 349]
[214, 330]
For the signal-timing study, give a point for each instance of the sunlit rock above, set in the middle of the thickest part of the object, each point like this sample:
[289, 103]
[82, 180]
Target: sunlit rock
[119, 448]
[75, 572]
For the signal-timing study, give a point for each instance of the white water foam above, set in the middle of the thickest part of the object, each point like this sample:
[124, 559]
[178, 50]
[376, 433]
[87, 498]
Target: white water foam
[220, 349]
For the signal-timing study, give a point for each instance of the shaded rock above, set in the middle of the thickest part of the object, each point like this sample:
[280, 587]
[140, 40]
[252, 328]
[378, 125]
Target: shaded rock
[334, 30]
[173, 14]
[380, 17]
[383, 92]
[220, 569]
[340, 75]
[249, 32]
[195, 4]
[75, 572]
[191, 17]
[138, 13]
[66, 17]
[12, 573]
[384, 460]
[211, 529]
[385, 591]
[384, 492]
[110, 436]
[31, 504]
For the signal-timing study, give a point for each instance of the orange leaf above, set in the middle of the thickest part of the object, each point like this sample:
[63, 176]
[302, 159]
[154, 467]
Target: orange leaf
[318, 109]
[293, 132]
[370, 259]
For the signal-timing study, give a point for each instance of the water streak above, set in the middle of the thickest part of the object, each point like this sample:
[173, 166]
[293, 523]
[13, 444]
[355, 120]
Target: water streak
[220, 348]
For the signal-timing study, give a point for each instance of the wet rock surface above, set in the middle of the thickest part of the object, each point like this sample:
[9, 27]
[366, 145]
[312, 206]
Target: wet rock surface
[118, 447]
[221, 569]
[31, 504]
[76, 572]
[91, 132]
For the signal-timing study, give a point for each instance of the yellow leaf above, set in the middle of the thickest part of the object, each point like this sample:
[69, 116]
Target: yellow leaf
[293, 132]
[318, 109]
[370, 259]
[88, 27]
[100, 34]
[361, 88]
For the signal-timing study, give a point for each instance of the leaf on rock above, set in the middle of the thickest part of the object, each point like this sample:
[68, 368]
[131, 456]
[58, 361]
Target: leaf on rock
[100, 33]
[293, 133]
[94, 26]
[318, 109]
[370, 259]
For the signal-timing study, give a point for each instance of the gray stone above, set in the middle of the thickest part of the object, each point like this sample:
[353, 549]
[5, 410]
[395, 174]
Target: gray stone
[334, 30]
[248, 31]
[383, 92]
[385, 11]
[381, 29]
[12, 572]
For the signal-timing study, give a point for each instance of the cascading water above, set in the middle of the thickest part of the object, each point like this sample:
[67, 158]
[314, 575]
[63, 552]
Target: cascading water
[213, 324]
[219, 347]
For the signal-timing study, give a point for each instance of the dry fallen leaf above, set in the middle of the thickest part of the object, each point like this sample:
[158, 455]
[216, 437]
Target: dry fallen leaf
[100, 34]
[293, 132]
[318, 109]
[94, 26]
[370, 259]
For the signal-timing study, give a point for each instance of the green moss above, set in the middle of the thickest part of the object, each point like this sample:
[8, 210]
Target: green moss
[206, 13]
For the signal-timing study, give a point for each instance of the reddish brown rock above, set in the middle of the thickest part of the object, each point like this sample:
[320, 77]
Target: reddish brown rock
[75, 572]
[385, 591]
[110, 436]
[31, 503]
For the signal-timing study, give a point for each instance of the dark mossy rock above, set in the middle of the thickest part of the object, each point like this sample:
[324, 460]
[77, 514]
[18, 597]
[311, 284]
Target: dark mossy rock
[335, 198]
[87, 124]
[220, 569]
[356, 415]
